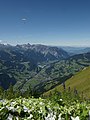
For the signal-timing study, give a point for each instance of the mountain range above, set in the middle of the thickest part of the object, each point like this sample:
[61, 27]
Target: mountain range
[22, 60]
[75, 50]
[39, 66]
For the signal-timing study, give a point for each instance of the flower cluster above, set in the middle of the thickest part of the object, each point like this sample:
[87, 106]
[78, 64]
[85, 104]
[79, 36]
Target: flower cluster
[42, 109]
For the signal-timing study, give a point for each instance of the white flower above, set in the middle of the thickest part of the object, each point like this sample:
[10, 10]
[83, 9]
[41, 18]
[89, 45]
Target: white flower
[89, 114]
[10, 117]
[17, 118]
[30, 116]
[25, 109]
[12, 103]
[18, 107]
[29, 111]
[61, 100]
[41, 103]
[11, 108]
[76, 118]
[50, 116]
[59, 117]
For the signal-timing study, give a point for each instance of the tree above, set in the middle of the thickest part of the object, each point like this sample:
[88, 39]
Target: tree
[1, 92]
[10, 92]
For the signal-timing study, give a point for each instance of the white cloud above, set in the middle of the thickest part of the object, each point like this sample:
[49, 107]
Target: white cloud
[0, 41]
[23, 19]
[3, 42]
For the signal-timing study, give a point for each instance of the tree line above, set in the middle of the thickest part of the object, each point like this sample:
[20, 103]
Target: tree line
[10, 93]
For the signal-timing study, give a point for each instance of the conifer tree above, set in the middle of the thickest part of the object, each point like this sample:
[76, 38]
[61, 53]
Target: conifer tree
[1, 92]
[10, 92]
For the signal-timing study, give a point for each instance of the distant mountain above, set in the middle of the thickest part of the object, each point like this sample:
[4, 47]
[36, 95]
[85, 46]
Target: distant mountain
[20, 63]
[80, 82]
[86, 50]
[48, 52]
[75, 50]
[84, 56]
[36, 53]
[57, 72]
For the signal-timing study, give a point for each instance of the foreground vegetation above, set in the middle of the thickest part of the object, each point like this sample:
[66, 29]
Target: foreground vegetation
[65, 106]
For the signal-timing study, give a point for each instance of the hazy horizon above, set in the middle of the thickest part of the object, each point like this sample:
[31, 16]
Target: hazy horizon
[46, 45]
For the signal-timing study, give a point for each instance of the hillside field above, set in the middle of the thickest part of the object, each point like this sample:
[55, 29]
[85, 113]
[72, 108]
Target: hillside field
[80, 81]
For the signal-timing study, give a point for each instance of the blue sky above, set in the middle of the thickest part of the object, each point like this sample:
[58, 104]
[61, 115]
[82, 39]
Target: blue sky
[50, 22]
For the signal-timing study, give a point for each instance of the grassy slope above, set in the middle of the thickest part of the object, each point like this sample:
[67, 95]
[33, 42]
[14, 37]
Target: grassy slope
[80, 81]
